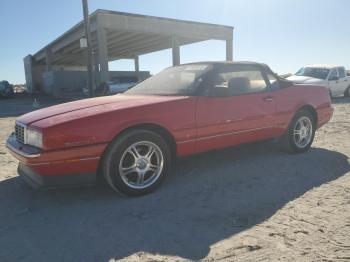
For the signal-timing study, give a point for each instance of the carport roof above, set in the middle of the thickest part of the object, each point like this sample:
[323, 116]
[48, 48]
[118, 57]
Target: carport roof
[128, 36]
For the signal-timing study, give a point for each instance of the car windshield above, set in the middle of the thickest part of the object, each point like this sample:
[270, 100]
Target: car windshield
[315, 72]
[179, 80]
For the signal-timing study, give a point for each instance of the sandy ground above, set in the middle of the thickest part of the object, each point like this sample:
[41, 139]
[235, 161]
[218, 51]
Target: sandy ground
[251, 203]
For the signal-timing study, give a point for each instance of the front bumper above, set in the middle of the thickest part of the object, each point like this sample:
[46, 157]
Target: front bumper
[59, 168]
[22, 150]
[38, 181]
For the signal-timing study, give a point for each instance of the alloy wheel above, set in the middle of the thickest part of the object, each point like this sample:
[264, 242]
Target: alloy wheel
[141, 164]
[302, 134]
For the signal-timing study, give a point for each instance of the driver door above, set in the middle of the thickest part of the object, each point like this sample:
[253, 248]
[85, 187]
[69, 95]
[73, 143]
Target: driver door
[238, 107]
[343, 80]
[335, 84]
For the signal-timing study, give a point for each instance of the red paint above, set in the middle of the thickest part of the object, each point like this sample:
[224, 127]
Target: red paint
[77, 133]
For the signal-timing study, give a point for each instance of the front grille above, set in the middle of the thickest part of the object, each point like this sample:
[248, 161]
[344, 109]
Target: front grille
[20, 131]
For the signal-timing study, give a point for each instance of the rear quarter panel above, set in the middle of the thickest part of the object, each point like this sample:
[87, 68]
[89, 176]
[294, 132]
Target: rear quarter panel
[289, 100]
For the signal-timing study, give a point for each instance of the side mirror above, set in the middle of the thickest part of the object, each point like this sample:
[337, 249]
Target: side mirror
[285, 83]
[334, 78]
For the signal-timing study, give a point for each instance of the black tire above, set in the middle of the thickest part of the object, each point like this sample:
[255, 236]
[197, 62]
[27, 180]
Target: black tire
[116, 153]
[347, 92]
[287, 141]
[330, 95]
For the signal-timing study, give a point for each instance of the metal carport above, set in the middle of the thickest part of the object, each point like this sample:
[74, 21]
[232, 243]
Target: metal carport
[117, 35]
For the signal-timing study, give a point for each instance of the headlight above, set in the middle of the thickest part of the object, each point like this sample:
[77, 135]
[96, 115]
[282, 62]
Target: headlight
[34, 138]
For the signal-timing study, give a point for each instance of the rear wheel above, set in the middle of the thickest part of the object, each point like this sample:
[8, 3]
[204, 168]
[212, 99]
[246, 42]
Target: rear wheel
[300, 134]
[347, 92]
[136, 162]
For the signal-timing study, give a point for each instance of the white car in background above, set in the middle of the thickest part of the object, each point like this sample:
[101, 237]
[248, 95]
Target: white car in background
[122, 84]
[333, 77]
[115, 86]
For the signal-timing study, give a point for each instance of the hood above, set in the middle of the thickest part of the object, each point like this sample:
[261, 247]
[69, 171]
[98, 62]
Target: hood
[305, 80]
[98, 104]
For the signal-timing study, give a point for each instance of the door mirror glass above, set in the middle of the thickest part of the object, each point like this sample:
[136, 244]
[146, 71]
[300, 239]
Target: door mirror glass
[283, 83]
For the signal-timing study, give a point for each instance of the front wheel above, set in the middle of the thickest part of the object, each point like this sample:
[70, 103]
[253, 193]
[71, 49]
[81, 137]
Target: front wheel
[300, 134]
[136, 162]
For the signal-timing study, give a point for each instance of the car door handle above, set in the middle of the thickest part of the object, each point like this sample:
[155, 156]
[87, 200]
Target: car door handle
[268, 98]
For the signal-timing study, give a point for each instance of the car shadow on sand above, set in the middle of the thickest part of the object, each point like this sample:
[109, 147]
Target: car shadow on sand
[206, 198]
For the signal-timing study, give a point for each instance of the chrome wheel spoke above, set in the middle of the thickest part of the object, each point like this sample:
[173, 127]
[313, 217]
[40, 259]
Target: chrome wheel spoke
[128, 170]
[153, 168]
[307, 132]
[297, 132]
[299, 138]
[133, 151]
[150, 153]
[140, 178]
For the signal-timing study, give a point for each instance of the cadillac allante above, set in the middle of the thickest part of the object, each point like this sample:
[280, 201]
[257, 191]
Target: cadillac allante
[131, 139]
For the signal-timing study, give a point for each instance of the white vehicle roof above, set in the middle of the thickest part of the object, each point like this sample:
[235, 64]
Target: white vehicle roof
[324, 66]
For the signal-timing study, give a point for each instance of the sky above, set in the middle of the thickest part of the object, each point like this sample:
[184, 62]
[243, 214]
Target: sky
[285, 34]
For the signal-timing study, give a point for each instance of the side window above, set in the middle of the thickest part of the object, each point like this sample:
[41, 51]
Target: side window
[273, 81]
[333, 74]
[238, 80]
[341, 72]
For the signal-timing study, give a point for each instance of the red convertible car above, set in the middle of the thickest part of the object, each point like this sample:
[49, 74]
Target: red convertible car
[131, 139]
